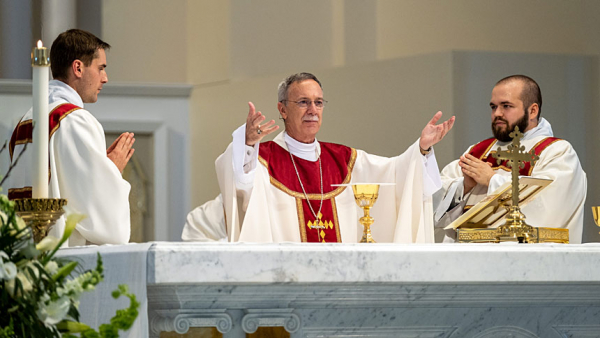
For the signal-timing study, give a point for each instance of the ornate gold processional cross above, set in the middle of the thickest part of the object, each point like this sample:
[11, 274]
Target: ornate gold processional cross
[515, 227]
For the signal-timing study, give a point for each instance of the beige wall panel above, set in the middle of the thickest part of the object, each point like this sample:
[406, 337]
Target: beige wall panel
[273, 36]
[148, 39]
[208, 41]
[410, 27]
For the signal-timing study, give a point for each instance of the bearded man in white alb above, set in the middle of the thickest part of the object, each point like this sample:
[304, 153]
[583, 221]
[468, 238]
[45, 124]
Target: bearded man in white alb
[82, 170]
[283, 190]
[516, 101]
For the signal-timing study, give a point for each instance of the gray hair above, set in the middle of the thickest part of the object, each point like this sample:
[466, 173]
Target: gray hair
[284, 86]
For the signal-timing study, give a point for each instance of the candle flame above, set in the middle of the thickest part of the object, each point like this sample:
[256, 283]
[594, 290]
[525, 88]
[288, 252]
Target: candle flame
[40, 44]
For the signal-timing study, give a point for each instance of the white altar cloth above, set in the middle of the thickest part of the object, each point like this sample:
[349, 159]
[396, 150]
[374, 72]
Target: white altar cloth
[365, 290]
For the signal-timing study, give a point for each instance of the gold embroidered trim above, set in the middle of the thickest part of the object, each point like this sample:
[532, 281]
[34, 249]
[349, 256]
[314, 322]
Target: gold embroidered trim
[263, 161]
[23, 141]
[27, 140]
[61, 118]
[301, 223]
[335, 221]
[533, 164]
[486, 151]
[299, 194]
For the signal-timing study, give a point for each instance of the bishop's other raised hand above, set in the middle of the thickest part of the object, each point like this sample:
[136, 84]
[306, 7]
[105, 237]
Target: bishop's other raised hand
[254, 131]
[434, 133]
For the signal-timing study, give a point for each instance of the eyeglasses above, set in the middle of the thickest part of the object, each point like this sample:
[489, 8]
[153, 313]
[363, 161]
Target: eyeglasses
[319, 104]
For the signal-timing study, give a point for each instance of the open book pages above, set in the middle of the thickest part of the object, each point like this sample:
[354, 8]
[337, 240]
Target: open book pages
[491, 211]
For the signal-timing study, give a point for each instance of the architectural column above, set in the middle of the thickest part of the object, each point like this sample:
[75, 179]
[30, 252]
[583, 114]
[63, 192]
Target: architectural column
[15, 39]
[57, 17]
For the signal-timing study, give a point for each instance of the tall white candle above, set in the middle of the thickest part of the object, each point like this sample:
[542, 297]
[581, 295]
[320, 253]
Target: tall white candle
[40, 64]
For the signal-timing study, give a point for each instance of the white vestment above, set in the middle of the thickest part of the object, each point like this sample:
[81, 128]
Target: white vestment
[559, 205]
[205, 223]
[81, 172]
[258, 211]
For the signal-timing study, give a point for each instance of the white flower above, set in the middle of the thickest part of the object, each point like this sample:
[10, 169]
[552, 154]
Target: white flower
[3, 255]
[33, 267]
[8, 270]
[3, 217]
[11, 284]
[73, 217]
[72, 288]
[51, 313]
[24, 281]
[47, 244]
[51, 267]
[20, 223]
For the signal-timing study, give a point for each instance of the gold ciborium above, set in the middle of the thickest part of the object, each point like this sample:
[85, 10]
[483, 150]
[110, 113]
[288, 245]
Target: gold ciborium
[40, 214]
[365, 196]
[596, 212]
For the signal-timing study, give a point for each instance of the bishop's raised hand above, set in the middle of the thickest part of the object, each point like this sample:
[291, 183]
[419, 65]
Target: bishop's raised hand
[434, 133]
[254, 131]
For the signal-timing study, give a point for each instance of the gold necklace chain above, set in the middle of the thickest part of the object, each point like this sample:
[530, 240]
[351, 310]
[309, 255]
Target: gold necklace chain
[302, 186]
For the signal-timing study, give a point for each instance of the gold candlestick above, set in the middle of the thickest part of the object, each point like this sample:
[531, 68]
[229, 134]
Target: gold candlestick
[596, 212]
[40, 214]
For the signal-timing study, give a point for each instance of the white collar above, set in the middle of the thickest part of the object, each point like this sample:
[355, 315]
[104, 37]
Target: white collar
[306, 151]
[58, 90]
[542, 129]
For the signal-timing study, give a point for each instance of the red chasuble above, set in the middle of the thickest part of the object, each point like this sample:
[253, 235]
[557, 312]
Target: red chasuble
[481, 149]
[23, 133]
[337, 162]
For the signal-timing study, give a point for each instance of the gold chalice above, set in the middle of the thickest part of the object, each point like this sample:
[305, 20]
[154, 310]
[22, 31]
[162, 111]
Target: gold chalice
[596, 212]
[365, 196]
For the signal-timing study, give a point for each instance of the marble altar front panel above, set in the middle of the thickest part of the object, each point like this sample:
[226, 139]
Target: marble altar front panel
[381, 290]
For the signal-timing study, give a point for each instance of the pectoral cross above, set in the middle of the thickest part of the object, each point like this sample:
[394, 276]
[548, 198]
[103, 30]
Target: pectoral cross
[320, 225]
[516, 158]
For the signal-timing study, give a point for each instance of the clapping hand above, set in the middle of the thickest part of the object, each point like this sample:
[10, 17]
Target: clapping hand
[475, 171]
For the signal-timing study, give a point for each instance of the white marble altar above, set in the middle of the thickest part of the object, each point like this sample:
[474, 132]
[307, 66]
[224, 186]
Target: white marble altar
[370, 290]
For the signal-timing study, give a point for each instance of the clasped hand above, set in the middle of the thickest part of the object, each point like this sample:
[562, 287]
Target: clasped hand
[121, 150]
[475, 171]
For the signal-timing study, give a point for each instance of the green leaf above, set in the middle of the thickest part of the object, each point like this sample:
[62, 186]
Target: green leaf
[64, 271]
[71, 326]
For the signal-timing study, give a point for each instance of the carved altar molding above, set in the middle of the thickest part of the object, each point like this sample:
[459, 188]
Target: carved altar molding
[255, 318]
[579, 331]
[381, 332]
[505, 332]
[370, 294]
[181, 320]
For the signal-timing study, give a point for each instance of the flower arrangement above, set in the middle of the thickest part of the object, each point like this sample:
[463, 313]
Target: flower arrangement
[39, 293]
